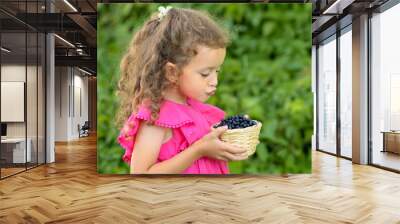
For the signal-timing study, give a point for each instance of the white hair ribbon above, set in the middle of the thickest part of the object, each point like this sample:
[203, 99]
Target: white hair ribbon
[162, 11]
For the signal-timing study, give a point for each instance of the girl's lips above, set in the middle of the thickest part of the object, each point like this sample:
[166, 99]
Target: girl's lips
[211, 93]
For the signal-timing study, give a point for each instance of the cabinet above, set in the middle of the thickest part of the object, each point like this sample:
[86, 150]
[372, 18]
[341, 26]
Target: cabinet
[391, 142]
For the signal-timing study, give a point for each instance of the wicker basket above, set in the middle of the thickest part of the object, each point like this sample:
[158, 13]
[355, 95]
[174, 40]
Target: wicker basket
[246, 138]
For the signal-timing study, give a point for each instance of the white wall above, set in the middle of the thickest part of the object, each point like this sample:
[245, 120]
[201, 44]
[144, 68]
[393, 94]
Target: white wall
[70, 83]
[34, 125]
[80, 100]
[12, 73]
[61, 103]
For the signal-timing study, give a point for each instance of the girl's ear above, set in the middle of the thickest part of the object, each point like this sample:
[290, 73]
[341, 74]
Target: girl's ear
[171, 72]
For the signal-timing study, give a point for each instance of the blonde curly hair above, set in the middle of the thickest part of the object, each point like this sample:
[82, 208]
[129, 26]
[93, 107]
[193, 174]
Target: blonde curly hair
[174, 39]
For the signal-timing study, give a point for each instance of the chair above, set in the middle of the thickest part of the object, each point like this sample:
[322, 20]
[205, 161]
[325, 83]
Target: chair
[84, 130]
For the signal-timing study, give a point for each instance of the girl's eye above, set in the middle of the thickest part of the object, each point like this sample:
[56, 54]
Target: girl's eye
[204, 74]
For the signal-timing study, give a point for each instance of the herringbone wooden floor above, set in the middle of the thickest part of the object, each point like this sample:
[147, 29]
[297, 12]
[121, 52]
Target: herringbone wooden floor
[70, 191]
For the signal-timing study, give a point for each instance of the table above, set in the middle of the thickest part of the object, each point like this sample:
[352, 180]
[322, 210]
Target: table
[15, 148]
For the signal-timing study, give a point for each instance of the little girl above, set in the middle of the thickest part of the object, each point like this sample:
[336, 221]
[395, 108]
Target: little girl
[170, 69]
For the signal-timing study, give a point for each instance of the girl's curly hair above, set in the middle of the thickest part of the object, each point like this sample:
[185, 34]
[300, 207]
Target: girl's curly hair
[173, 39]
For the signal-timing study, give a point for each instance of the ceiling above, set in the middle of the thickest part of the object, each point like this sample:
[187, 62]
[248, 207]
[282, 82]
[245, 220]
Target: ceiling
[329, 15]
[74, 21]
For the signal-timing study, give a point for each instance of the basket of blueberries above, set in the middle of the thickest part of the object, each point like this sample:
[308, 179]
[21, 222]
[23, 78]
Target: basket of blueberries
[242, 132]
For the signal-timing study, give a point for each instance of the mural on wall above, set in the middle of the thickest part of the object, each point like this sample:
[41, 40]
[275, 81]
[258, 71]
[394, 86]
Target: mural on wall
[265, 74]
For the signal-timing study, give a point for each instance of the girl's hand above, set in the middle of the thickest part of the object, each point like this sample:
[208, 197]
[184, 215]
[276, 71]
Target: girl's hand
[211, 146]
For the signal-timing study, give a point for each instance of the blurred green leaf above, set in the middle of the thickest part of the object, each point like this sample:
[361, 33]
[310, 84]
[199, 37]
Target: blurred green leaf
[262, 152]
[236, 167]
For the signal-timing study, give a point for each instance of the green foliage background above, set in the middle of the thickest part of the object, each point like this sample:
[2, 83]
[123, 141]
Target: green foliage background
[266, 74]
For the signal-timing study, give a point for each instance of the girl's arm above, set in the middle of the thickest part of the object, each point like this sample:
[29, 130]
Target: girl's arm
[147, 147]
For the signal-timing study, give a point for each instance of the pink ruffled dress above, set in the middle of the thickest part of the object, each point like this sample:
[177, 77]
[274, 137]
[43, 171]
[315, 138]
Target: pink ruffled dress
[188, 124]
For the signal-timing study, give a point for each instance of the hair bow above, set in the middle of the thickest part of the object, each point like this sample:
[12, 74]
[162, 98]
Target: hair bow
[163, 11]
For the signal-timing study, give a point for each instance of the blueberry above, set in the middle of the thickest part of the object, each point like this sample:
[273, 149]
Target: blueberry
[236, 121]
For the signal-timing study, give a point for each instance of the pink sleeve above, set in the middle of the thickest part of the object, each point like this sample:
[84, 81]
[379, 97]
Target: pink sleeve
[128, 132]
[127, 135]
